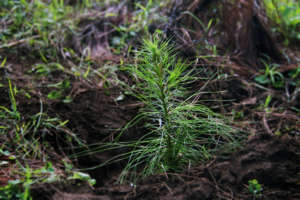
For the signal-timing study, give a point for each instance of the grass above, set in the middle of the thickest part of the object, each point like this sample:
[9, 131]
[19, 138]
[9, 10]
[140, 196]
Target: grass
[36, 24]
[41, 29]
[23, 138]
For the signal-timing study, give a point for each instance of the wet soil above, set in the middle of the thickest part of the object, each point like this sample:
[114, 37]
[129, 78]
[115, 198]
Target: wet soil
[272, 160]
[97, 115]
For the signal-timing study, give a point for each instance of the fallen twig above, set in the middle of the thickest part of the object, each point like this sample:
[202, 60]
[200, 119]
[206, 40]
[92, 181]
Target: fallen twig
[15, 43]
[266, 126]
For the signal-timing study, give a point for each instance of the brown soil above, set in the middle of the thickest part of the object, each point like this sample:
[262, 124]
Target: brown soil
[96, 115]
[273, 161]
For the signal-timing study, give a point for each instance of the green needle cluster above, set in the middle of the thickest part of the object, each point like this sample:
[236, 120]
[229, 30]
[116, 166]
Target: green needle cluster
[179, 131]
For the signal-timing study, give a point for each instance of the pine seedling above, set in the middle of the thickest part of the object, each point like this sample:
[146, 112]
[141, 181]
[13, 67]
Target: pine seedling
[180, 131]
[177, 130]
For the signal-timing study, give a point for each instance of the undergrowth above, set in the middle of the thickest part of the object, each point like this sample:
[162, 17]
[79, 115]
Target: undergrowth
[37, 25]
[285, 13]
[26, 151]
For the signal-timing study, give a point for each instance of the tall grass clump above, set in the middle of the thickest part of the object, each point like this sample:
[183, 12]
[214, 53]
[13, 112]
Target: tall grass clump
[178, 130]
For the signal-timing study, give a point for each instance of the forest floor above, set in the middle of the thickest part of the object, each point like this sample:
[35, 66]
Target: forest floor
[82, 102]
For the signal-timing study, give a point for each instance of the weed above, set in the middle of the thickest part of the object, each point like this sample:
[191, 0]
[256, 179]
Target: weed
[20, 188]
[289, 81]
[237, 114]
[255, 188]
[57, 93]
[271, 76]
[13, 191]
[83, 177]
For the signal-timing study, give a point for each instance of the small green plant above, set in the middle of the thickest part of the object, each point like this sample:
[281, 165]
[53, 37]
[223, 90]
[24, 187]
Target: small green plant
[13, 191]
[255, 188]
[294, 76]
[59, 89]
[179, 130]
[82, 177]
[20, 188]
[267, 103]
[237, 114]
[271, 76]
